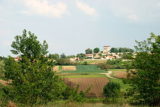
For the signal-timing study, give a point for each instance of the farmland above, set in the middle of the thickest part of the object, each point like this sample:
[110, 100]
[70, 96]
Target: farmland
[86, 69]
[91, 76]
[94, 84]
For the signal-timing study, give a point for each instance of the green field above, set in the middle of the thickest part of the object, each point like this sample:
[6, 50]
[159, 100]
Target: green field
[86, 69]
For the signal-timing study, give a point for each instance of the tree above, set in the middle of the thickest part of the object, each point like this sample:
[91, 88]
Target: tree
[88, 51]
[63, 55]
[33, 81]
[27, 45]
[126, 50]
[81, 56]
[96, 50]
[112, 90]
[146, 80]
[54, 56]
[114, 50]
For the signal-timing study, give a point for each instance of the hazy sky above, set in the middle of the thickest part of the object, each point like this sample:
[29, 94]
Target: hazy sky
[71, 26]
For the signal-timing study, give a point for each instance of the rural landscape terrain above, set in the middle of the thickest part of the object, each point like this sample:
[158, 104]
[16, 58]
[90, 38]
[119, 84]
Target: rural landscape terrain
[36, 78]
[79, 53]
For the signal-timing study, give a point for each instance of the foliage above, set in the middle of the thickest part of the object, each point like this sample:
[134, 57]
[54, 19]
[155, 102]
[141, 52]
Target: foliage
[103, 66]
[1, 68]
[111, 90]
[33, 81]
[63, 56]
[28, 45]
[121, 50]
[73, 95]
[64, 61]
[88, 51]
[116, 64]
[114, 50]
[146, 80]
[85, 63]
[81, 56]
[96, 50]
[128, 56]
[54, 56]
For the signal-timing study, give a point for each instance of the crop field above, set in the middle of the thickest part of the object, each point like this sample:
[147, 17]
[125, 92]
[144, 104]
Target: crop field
[95, 61]
[64, 68]
[86, 69]
[83, 75]
[94, 84]
[120, 74]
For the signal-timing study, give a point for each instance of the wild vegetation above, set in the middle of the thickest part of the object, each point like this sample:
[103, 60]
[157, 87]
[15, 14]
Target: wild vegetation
[32, 81]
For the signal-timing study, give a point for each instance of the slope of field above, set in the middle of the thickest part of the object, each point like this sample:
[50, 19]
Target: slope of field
[86, 69]
[95, 84]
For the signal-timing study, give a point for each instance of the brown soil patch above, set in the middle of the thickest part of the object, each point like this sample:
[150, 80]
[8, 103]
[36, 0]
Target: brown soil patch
[56, 69]
[5, 83]
[11, 104]
[120, 74]
[95, 84]
[69, 68]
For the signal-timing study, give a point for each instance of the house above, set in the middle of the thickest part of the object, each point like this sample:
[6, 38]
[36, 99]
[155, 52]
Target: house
[110, 57]
[89, 56]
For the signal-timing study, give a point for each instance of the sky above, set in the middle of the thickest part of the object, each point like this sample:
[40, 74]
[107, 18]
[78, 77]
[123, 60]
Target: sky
[71, 26]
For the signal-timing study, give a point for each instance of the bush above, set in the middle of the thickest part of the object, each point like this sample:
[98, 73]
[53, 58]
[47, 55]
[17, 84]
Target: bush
[1, 68]
[104, 66]
[64, 61]
[116, 64]
[111, 90]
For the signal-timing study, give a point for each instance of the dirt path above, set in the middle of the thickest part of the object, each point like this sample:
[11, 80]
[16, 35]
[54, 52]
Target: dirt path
[108, 74]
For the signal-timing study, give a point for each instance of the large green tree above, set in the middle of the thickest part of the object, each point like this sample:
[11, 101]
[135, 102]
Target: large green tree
[146, 80]
[96, 50]
[33, 81]
[88, 51]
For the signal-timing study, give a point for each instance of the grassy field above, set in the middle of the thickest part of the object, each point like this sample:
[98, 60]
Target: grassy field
[86, 69]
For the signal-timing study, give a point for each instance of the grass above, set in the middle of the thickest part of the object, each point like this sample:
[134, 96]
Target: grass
[86, 69]
[86, 104]
[124, 87]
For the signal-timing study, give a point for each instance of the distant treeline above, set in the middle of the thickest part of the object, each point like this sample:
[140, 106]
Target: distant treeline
[121, 50]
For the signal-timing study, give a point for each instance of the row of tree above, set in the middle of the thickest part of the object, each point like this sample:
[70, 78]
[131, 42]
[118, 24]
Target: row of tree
[121, 50]
[112, 50]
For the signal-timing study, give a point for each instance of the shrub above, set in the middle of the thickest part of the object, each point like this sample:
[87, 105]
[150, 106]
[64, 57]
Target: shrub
[64, 61]
[104, 66]
[111, 90]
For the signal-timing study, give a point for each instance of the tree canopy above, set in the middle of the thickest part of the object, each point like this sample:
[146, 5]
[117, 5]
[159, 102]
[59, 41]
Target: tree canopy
[121, 50]
[28, 45]
[96, 50]
[33, 79]
[146, 80]
[88, 51]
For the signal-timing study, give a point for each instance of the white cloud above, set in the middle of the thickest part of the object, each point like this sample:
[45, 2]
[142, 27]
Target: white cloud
[45, 8]
[86, 8]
